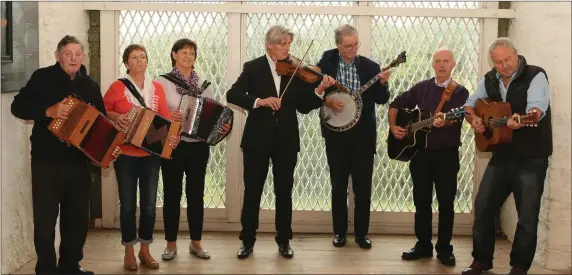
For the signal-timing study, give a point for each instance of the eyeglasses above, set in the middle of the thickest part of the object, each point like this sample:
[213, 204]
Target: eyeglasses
[349, 47]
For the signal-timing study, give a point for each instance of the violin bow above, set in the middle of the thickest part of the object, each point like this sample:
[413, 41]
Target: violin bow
[294, 73]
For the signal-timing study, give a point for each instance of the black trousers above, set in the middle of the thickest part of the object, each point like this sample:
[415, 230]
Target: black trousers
[62, 187]
[524, 177]
[350, 155]
[439, 167]
[189, 159]
[256, 164]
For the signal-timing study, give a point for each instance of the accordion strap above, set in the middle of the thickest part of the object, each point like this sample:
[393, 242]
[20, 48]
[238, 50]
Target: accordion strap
[177, 81]
[134, 91]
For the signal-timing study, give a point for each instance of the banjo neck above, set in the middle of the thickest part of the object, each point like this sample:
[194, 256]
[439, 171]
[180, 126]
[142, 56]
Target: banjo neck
[372, 81]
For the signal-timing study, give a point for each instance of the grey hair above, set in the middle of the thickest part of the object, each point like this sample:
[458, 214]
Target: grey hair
[275, 34]
[346, 29]
[443, 49]
[68, 39]
[502, 42]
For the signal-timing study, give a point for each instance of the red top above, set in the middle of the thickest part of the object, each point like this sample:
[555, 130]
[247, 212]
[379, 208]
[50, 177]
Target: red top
[119, 99]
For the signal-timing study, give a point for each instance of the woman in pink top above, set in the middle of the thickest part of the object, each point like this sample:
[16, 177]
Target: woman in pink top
[136, 165]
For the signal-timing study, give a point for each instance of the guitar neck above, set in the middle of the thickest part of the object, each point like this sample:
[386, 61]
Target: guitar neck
[422, 124]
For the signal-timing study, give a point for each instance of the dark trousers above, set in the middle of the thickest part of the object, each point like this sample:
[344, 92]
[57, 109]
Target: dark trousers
[130, 172]
[524, 177]
[439, 167]
[189, 159]
[353, 156]
[256, 164]
[62, 187]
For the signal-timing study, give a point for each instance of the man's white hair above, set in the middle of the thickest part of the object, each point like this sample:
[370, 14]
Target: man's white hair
[275, 34]
[443, 49]
[502, 42]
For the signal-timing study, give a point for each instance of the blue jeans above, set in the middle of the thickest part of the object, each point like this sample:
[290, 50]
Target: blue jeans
[524, 177]
[130, 170]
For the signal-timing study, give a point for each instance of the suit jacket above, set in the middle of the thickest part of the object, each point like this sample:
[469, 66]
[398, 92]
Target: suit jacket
[377, 93]
[265, 128]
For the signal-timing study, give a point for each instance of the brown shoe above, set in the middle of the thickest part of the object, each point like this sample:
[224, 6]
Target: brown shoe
[477, 268]
[516, 271]
[129, 266]
[151, 264]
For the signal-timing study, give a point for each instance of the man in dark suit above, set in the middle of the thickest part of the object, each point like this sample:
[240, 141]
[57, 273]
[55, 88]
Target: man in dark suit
[271, 132]
[351, 152]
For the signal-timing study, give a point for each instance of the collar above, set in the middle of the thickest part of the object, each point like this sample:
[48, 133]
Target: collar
[344, 62]
[444, 84]
[271, 63]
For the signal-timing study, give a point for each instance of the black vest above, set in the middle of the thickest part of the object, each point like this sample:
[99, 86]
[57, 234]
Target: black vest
[526, 141]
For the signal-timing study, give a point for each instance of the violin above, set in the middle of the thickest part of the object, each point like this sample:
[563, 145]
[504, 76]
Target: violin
[308, 73]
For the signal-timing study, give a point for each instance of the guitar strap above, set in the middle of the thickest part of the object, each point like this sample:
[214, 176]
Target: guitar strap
[447, 95]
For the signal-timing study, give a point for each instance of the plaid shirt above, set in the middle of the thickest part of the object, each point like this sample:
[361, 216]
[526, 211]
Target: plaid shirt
[347, 75]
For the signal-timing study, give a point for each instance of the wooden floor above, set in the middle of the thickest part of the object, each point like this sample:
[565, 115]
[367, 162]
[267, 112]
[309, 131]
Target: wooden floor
[313, 253]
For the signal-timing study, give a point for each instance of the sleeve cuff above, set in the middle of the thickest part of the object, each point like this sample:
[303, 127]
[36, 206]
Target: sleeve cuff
[321, 96]
[255, 105]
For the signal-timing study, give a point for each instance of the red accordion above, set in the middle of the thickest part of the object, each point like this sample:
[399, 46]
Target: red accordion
[90, 131]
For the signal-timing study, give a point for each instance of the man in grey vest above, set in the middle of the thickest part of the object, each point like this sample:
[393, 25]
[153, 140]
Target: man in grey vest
[519, 167]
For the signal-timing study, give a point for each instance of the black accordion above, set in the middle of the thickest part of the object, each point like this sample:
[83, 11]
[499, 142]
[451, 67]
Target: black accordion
[203, 118]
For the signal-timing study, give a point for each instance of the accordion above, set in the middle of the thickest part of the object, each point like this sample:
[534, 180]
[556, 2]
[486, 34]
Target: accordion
[149, 131]
[203, 118]
[90, 131]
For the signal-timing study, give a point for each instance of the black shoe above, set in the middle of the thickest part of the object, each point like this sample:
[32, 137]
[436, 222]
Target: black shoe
[78, 270]
[285, 250]
[415, 254]
[516, 271]
[244, 251]
[339, 240]
[447, 259]
[364, 242]
[477, 268]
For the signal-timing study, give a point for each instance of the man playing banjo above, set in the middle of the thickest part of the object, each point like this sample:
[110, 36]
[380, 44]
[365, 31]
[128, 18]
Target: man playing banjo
[351, 152]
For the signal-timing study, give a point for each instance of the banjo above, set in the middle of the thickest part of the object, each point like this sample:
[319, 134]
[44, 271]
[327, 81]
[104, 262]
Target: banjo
[351, 112]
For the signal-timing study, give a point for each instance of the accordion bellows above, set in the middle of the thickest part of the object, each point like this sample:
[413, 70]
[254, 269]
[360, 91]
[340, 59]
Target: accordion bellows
[203, 118]
[150, 131]
[90, 131]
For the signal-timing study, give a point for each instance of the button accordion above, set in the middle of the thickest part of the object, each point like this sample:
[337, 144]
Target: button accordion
[204, 117]
[150, 131]
[90, 131]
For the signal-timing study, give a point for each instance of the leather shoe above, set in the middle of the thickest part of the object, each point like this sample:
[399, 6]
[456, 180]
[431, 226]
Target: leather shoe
[78, 270]
[285, 250]
[364, 242]
[244, 251]
[339, 240]
[516, 271]
[447, 259]
[415, 254]
[476, 268]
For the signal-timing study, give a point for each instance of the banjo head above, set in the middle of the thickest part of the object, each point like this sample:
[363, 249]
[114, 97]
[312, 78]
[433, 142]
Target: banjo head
[347, 118]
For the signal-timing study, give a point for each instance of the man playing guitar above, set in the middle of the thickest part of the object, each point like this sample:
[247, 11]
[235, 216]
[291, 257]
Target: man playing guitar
[438, 163]
[352, 151]
[518, 167]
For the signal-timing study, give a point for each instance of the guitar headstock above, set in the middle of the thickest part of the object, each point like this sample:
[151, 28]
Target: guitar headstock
[528, 120]
[401, 58]
[454, 115]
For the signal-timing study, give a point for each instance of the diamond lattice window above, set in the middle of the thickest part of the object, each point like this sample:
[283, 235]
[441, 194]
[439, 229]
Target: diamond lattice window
[158, 31]
[425, 4]
[420, 36]
[312, 189]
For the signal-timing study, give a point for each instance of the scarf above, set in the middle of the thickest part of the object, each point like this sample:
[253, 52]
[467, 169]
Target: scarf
[148, 93]
[192, 82]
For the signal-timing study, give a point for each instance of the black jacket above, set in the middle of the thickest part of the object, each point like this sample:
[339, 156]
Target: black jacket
[46, 87]
[377, 93]
[265, 129]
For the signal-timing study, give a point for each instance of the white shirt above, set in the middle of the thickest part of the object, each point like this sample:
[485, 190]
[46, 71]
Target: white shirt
[444, 84]
[277, 78]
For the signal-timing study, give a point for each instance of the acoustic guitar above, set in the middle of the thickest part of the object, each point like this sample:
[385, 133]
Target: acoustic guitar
[495, 116]
[417, 130]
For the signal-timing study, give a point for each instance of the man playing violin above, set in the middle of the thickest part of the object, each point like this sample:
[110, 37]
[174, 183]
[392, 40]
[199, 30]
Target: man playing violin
[270, 133]
[437, 164]
[352, 152]
[518, 167]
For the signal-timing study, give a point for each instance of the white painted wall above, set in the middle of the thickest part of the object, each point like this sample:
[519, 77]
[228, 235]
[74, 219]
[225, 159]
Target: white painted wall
[541, 33]
[17, 222]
